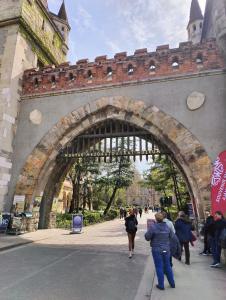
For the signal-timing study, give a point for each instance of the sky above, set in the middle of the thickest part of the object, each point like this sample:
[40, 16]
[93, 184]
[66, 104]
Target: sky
[105, 27]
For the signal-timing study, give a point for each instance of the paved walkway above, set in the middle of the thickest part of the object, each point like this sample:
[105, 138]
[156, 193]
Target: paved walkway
[95, 266]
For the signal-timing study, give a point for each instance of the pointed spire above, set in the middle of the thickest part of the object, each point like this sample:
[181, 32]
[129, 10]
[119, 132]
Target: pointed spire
[195, 12]
[62, 13]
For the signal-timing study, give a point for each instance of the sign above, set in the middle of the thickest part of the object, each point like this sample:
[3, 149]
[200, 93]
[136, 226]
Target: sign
[18, 199]
[77, 223]
[218, 184]
[4, 222]
[150, 222]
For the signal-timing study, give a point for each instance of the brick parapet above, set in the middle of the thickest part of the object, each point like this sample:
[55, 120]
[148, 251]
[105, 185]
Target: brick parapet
[143, 65]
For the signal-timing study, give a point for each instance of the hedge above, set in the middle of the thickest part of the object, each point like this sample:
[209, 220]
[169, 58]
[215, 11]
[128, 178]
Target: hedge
[90, 218]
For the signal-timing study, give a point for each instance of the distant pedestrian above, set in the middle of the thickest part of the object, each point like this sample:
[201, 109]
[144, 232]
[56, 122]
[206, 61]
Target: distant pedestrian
[219, 225]
[183, 229]
[125, 213]
[208, 232]
[159, 235]
[135, 211]
[131, 229]
[140, 212]
[121, 213]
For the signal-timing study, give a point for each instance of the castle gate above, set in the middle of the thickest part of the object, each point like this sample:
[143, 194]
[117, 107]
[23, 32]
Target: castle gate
[175, 95]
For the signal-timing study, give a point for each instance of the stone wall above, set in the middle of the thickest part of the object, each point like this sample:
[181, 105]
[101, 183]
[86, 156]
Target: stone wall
[141, 66]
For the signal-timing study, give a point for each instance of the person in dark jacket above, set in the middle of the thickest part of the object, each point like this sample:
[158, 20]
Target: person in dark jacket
[131, 229]
[208, 231]
[219, 225]
[183, 229]
[159, 235]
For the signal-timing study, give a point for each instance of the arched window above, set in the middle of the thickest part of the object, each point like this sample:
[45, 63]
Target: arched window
[109, 72]
[130, 69]
[71, 76]
[90, 75]
[53, 79]
[43, 24]
[36, 82]
[199, 58]
[175, 63]
[152, 66]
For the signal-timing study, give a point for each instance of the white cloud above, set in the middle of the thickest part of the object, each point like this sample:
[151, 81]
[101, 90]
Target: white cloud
[83, 19]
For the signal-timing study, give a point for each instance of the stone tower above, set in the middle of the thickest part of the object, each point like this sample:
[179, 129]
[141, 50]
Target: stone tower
[195, 24]
[214, 25]
[29, 37]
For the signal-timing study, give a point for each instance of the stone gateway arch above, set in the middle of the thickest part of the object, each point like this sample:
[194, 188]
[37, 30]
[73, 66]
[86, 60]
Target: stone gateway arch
[175, 95]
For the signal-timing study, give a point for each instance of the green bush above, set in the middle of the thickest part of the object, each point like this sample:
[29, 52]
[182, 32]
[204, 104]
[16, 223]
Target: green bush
[89, 217]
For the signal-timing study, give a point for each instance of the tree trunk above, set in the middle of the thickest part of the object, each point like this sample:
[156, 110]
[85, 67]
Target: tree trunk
[111, 200]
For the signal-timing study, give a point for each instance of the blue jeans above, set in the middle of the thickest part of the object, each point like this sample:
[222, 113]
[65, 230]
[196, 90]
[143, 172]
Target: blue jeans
[162, 265]
[216, 251]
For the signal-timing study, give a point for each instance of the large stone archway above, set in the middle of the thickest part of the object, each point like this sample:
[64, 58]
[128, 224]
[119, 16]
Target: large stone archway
[188, 153]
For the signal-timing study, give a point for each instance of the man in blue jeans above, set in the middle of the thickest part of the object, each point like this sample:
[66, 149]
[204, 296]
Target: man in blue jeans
[159, 235]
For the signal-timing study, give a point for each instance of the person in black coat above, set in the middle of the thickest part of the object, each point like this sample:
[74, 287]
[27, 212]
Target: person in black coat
[183, 229]
[131, 229]
[208, 231]
[219, 225]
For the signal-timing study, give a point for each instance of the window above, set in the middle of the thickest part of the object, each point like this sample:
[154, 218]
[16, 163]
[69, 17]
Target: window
[71, 77]
[194, 27]
[130, 70]
[152, 66]
[175, 63]
[53, 80]
[200, 25]
[109, 72]
[90, 75]
[43, 24]
[36, 82]
[199, 58]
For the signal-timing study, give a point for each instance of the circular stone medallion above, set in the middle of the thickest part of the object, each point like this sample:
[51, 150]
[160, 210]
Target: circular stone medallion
[36, 117]
[195, 100]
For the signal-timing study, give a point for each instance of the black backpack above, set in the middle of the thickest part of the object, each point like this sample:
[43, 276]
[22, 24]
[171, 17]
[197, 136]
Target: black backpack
[131, 225]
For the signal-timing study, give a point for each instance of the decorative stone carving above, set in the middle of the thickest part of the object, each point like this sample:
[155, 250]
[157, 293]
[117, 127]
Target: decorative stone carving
[195, 100]
[36, 117]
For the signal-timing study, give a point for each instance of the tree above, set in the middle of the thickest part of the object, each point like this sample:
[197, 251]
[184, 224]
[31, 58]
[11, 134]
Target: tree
[82, 176]
[165, 177]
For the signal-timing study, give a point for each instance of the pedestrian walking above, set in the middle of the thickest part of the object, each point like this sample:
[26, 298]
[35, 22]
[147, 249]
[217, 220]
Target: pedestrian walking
[131, 229]
[159, 235]
[171, 227]
[121, 213]
[125, 213]
[183, 229]
[208, 232]
[219, 225]
[135, 211]
[140, 212]
[168, 222]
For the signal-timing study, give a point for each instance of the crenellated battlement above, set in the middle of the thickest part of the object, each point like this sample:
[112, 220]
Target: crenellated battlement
[141, 66]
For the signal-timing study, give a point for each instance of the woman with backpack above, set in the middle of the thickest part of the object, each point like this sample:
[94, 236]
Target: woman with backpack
[131, 229]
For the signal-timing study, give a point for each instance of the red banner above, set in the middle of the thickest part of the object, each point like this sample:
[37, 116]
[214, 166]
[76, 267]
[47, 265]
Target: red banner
[218, 191]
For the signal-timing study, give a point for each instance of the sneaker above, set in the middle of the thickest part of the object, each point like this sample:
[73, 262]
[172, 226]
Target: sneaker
[215, 265]
[203, 253]
[130, 255]
[160, 288]
[173, 286]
